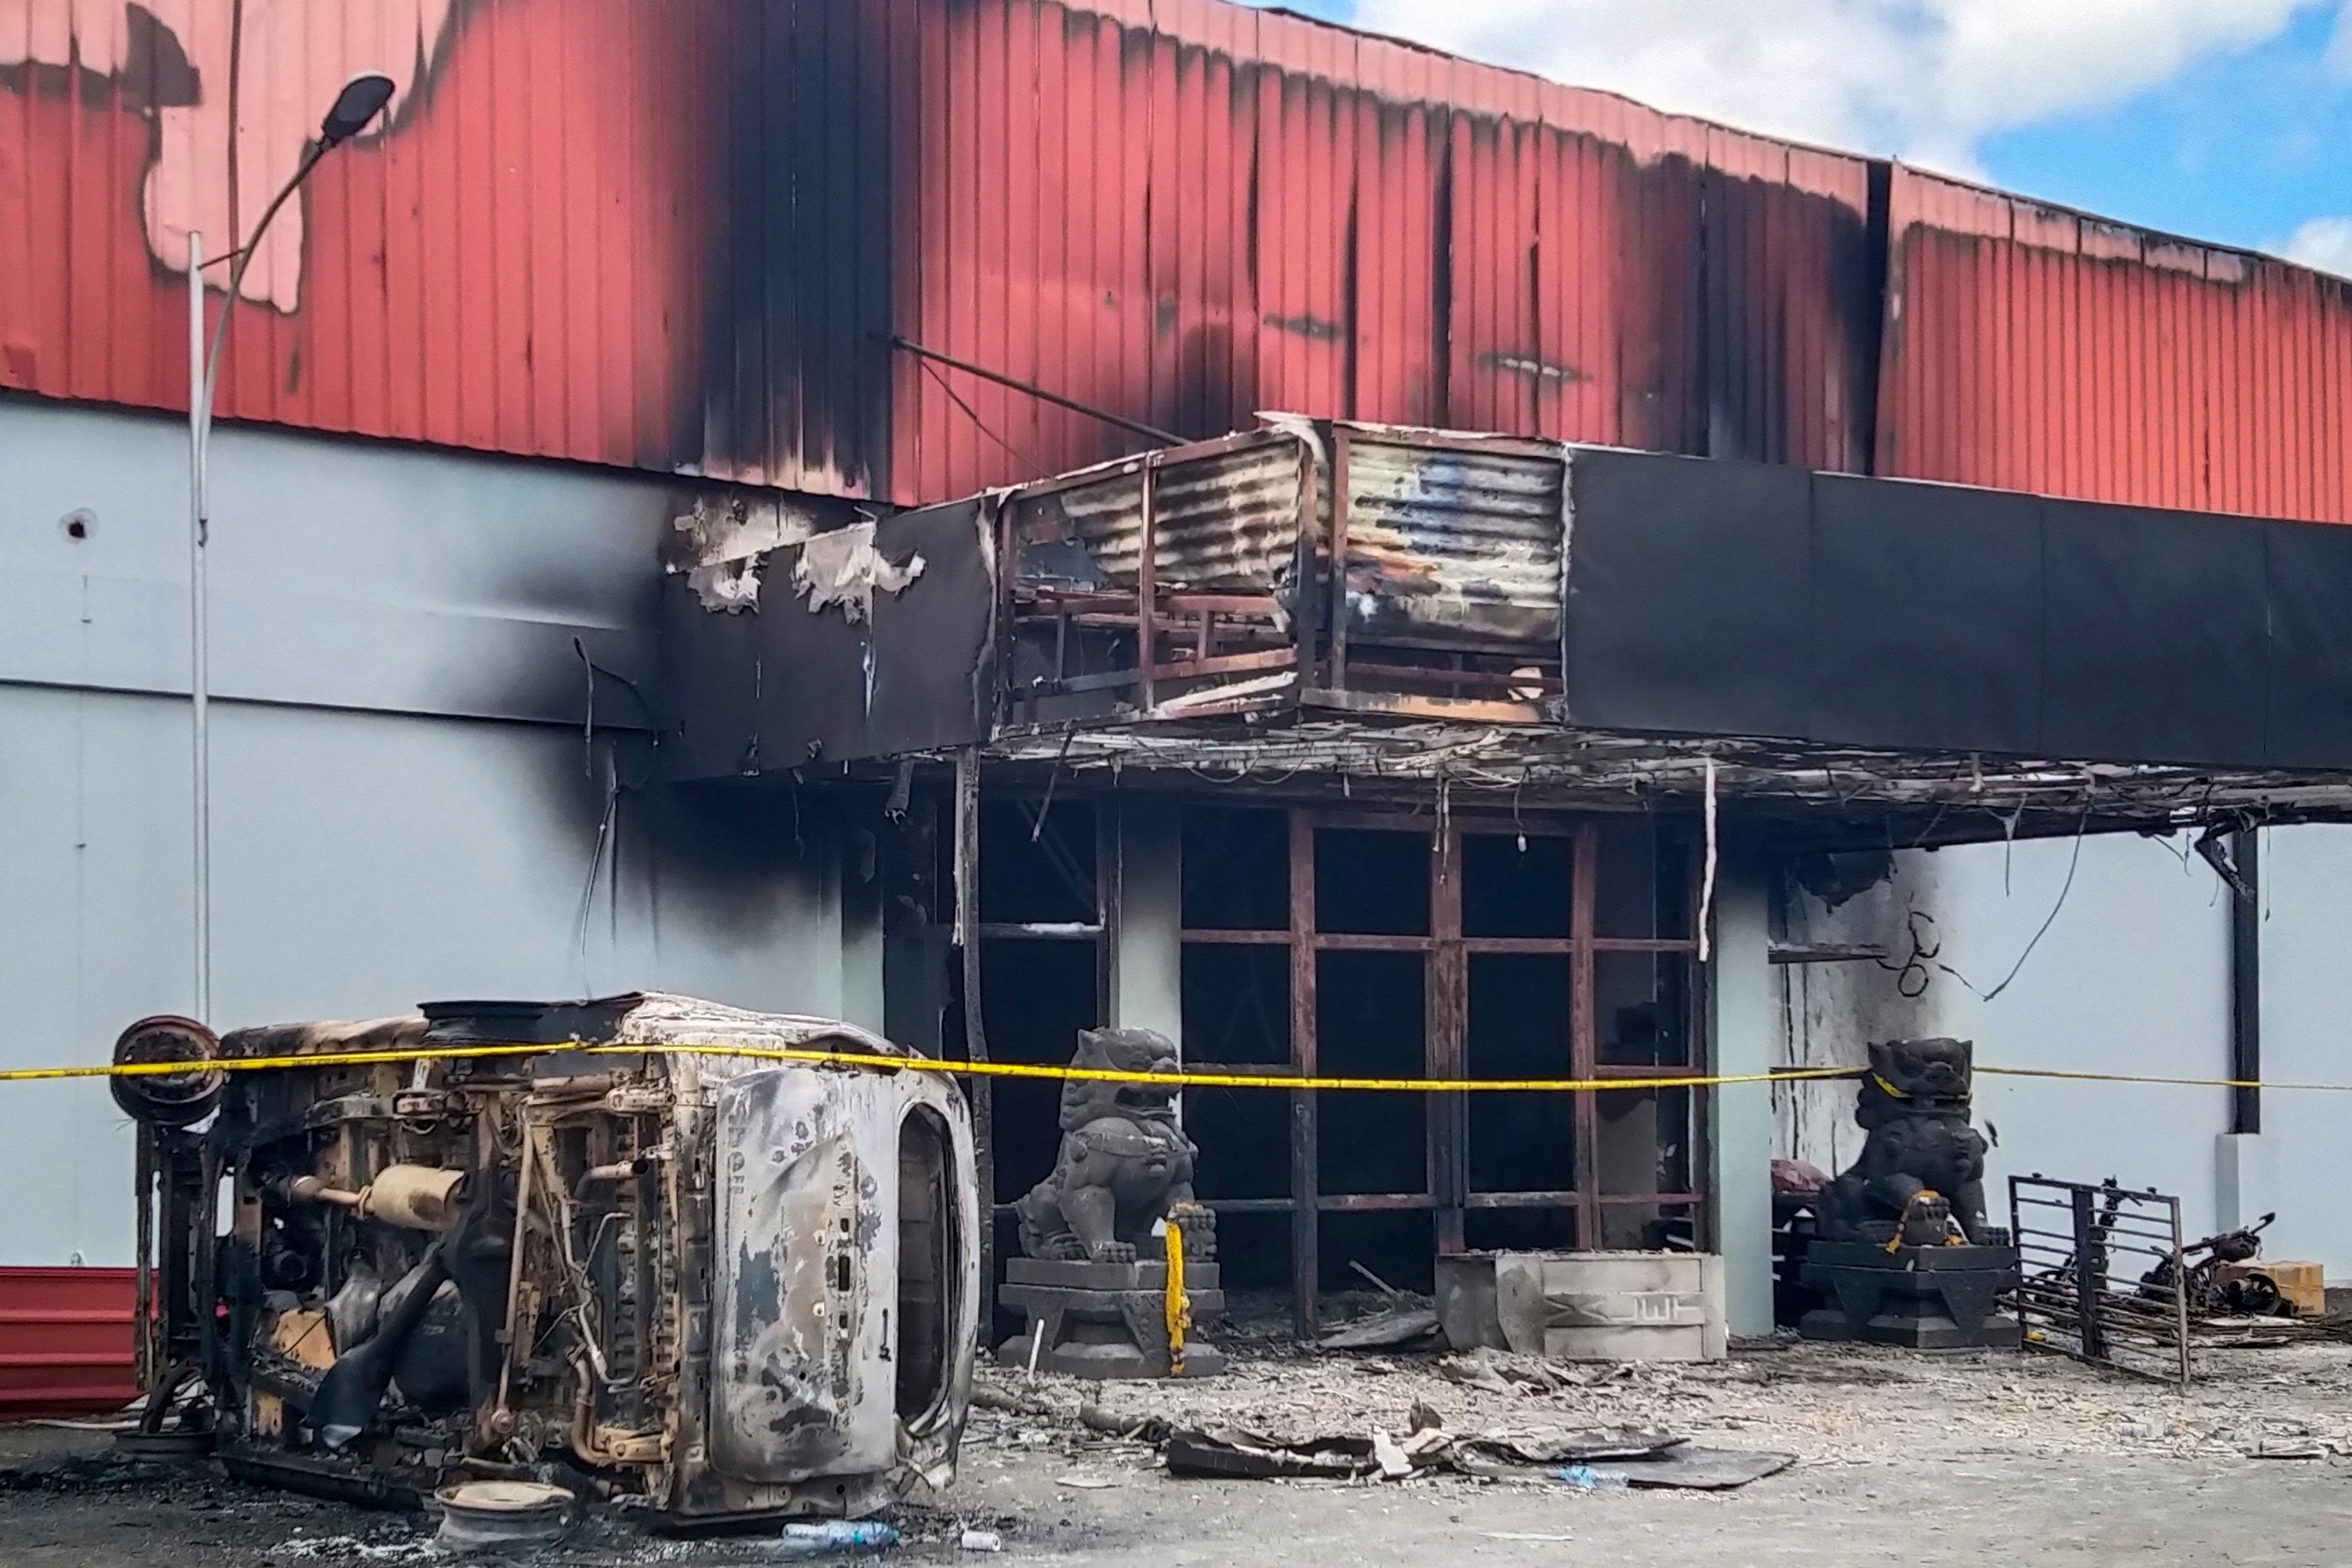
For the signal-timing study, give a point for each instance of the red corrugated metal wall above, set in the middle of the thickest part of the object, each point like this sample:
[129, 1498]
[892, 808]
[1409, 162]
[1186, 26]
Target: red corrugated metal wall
[1209, 211]
[678, 237]
[66, 1344]
[2033, 348]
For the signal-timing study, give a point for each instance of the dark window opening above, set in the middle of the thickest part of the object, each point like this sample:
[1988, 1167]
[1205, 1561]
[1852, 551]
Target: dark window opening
[1519, 1027]
[1236, 1003]
[1644, 874]
[1648, 1227]
[1371, 884]
[1253, 1252]
[1037, 862]
[1244, 1136]
[1641, 1009]
[1520, 1229]
[1236, 870]
[1643, 1141]
[928, 1250]
[1370, 1022]
[1035, 997]
[1507, 891]
[1398, 1245]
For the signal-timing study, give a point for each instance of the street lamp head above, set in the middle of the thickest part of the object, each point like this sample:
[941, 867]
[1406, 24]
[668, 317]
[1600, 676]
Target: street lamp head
[361, 100]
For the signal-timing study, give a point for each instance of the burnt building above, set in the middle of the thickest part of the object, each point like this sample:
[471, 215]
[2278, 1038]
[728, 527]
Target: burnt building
[618, 287]
[1336, 750]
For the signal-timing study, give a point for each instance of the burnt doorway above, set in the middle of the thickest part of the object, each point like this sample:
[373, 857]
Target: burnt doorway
[1043, 958]
[1321, 944]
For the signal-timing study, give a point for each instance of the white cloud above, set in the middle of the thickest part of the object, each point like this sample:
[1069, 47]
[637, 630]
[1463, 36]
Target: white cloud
[1924, 79]
[2323, 243]
[2339, 50]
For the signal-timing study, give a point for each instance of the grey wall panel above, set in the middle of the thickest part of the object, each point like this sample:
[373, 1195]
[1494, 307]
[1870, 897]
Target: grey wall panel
[343, 572]
[362, 863]
[405, 805]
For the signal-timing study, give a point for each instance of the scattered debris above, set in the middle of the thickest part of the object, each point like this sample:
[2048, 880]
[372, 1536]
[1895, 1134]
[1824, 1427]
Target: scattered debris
[1502, 1372]
[1391, 1331]
[1086, 1483]
[1616, 1456]
[1424, 1417]
[1523, 1535]
[2286, 1448]
[980, 1541]
[1550, 1450]
[831, 1536]
[1238, 1454]
[1697, 1470]
[488, 1514]
[1584, 1477]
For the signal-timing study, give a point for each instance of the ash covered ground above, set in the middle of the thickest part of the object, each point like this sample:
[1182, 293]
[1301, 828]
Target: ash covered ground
[1972, 1458]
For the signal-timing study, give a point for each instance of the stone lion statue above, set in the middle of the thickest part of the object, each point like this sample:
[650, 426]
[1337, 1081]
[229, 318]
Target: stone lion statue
[1124, 1163]
[1922, 1164]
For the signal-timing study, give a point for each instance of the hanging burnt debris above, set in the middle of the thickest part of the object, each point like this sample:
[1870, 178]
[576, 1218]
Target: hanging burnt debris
[721, 1286]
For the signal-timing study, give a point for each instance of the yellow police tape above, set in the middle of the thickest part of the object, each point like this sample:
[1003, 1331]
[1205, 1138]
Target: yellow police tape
[1100, 1074]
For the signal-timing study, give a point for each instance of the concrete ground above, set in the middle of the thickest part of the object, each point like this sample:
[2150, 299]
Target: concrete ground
[1980, 1458]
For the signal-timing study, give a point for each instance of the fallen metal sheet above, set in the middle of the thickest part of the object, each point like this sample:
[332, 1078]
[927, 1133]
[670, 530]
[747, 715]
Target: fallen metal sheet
[1391, 1331]
[1581, 1446]
[1646, 1457]
[1232, 1453]
[1688, 1469]
[1699, 1469]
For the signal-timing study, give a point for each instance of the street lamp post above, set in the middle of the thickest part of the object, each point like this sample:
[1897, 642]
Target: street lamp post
[361, 100]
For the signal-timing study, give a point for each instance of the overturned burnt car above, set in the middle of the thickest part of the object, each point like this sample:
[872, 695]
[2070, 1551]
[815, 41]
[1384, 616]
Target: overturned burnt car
[718, 1286]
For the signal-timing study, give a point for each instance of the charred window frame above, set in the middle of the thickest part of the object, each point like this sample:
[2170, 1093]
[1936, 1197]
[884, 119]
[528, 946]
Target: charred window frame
[1044, 972]
[1588, 970]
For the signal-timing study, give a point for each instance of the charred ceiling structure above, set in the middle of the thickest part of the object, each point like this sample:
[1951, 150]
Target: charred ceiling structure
[1351, 749]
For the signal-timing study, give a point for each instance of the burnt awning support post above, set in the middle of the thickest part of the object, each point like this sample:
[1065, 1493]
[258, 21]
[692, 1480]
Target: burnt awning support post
[2245, 1173]
[1306, 1244]
[975, 1037]
[2246, 982]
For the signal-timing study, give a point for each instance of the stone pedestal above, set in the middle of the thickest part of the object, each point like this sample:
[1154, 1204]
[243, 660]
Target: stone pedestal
[1108, 1320]
[1922, 1298]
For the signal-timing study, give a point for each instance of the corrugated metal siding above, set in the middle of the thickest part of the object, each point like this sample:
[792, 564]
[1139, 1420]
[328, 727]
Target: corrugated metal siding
[677, 235]
[2033, 349]
[1454, 538]
[635, 234]
[66, 1341]
[1221, 521]
[1188, 212]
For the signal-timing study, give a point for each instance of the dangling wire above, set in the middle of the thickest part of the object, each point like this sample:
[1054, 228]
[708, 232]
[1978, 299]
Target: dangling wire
[1706, 886]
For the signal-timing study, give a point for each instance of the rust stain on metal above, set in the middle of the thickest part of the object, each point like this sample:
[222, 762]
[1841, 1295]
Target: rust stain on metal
[1453, 540]
[1224, 520]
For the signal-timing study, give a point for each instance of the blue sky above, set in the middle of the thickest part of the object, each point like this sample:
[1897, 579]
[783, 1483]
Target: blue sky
[2225, 119]
[2245, 148]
